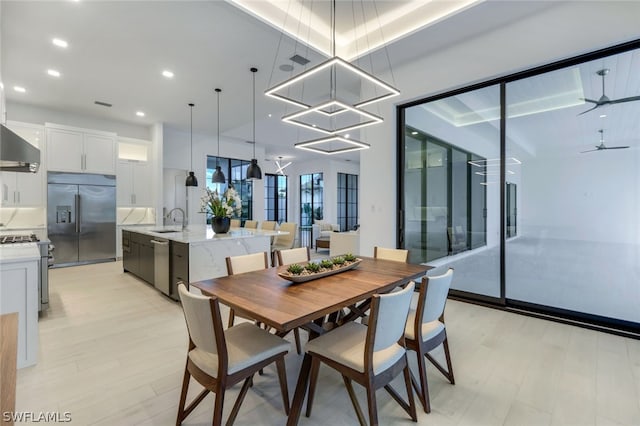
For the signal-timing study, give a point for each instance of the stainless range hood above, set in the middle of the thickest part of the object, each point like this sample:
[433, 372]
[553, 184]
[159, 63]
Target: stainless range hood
[16, 154]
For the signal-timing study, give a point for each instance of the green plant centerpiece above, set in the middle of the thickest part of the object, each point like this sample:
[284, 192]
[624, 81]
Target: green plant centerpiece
[312, 270]
[295, 269]
[313, 267]
[326, 264]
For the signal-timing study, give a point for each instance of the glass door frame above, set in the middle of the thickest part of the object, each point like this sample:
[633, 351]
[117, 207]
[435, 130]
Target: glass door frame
[584, 319]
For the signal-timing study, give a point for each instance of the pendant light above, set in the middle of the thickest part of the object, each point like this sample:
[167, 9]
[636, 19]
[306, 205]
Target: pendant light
[218, 175]
[253, 171]
[191, 179]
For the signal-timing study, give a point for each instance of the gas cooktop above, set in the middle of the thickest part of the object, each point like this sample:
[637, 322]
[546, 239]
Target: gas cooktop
[12, 239]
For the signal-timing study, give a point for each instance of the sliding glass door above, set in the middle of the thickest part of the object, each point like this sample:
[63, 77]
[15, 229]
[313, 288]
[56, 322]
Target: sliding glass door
[529, 186]
[451, 192]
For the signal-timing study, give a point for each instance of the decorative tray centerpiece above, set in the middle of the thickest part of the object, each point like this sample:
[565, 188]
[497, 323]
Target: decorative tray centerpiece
[299, 273]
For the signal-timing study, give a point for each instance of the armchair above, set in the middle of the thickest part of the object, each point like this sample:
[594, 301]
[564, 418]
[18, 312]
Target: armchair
[322, 228]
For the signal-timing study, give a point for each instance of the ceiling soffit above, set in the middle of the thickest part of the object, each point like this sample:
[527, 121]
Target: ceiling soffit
[361, 27]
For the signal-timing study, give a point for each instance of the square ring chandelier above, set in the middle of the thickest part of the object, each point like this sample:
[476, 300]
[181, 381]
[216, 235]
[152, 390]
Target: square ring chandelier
[332, 95]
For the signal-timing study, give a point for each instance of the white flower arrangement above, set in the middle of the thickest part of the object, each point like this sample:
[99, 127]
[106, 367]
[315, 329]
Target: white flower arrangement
[228, 204]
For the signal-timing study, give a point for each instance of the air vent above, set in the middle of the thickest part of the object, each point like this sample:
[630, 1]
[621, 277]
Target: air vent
[104, 104]
[299, 59]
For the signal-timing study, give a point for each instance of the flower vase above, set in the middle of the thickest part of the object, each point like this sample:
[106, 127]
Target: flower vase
[220, 225]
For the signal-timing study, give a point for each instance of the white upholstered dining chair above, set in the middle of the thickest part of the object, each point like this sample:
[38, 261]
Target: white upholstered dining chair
[251, 224]
[294, 255]
[218, 359]
[245, 263]
[369, 355]
[398, 255]
[425, 330]
[249, 263]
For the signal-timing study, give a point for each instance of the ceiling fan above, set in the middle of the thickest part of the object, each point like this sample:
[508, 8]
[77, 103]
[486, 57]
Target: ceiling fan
[604, 99]
[602, 146]
[280, 166]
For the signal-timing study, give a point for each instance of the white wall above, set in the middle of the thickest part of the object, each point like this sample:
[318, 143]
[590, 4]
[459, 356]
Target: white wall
[3, 118]
[583, 205]
[553, 34]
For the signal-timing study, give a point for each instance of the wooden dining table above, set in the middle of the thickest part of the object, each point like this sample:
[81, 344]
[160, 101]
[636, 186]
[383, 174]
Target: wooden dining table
[270, 299]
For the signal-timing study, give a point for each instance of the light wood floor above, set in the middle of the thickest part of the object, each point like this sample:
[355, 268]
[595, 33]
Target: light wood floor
[112, 352]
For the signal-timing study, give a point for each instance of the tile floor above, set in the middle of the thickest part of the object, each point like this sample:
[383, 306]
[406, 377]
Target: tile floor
[112, 352]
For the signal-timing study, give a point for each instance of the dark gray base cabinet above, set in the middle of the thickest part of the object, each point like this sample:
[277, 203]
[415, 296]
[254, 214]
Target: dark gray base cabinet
[179, 266]
[138, 259]
[137, 255]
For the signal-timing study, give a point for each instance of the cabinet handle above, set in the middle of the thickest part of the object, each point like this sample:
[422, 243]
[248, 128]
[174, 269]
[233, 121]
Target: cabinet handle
[131, 198]
[18, 194]
[5, 192]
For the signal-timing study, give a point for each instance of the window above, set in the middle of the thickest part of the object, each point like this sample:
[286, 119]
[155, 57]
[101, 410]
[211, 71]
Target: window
[347, 201]
[275, 196]
[311, 193]
[235, 171]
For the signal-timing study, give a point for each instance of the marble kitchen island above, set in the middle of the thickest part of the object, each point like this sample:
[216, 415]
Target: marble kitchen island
[193, 255]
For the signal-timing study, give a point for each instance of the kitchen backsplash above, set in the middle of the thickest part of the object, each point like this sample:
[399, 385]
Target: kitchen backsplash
[22, 217]
[136, 216]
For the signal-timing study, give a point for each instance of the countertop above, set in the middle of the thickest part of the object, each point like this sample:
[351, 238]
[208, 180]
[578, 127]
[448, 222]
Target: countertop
[199, 233]
[20, 252]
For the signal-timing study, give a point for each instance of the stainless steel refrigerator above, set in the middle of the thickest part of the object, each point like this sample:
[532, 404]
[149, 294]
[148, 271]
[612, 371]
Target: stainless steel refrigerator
[81, 217]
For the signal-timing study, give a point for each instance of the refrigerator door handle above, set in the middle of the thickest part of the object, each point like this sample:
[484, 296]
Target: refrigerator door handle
[77, 202]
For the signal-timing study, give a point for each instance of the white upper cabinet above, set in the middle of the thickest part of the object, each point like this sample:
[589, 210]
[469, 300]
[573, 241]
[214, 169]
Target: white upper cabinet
[134, 177]
[24, 189]
[80, 150]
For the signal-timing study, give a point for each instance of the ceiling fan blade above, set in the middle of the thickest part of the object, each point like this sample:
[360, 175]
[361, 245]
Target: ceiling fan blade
[591, 150]
[621, 100]
[615, 147]
[590, 100]
[591, 109]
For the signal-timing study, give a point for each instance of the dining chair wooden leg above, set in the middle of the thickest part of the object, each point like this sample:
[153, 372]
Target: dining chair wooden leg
[439, 367]
[232, 317]
[424, 387]
[239, 399]
[408, 406]
[183, 396]
[218, 405]
[447, 355]
[296, 335]
[412, 402]
[354, 401]
[313, 380]
[371, 402]
[282, 377]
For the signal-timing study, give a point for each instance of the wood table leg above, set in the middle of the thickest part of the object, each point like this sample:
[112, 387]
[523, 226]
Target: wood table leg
[301, 391]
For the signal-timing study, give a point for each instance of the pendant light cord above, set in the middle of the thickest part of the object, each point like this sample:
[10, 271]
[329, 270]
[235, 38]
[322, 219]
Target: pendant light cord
[191, 143]
[218, 155]
[254, 70]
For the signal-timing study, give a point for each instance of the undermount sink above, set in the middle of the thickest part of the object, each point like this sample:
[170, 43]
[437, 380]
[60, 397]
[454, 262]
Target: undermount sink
[164, 231]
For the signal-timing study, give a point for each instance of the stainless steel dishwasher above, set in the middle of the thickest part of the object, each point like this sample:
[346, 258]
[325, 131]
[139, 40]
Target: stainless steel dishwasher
[161, 265]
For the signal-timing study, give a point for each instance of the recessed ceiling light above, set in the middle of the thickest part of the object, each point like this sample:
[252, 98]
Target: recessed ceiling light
[414, 133]
[59, 42]
[140, 113]
[53, 73]
[19, 89]
[269, 115]
[603, 115]
[167, 74]
[346, 136]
